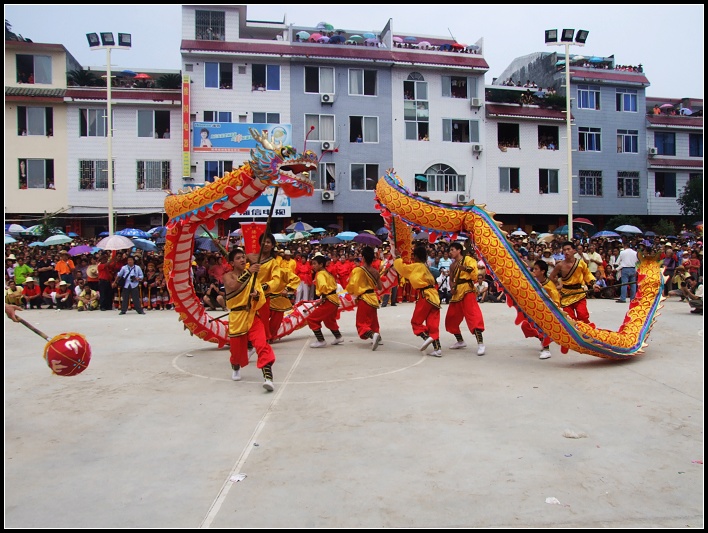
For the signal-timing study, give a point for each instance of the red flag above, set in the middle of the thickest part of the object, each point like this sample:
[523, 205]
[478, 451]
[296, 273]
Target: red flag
[252, 232]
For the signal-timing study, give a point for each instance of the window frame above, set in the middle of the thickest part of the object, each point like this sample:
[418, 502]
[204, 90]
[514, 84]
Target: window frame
[268, 118]
[32, 166]
[590, 183]
[41, 74]
[628, 179]
[217, 116]
[270, 77]
[90, 171]
[627, 136]
[589, 139]
[165, 177]
[417, 107]
[508, 177]
[221, 168]
[314, 135]
[368, 86]
[370, 176]
[99, 121]
[548, 179]
[444, 178]
[624, 97]
[28, 118]
[695, 145]
[664, 181]
[157, 130]
[366, 126]
[322, 176]
[448, 82]
[325, 78]
[207, 31]
[588, 97]
[665, 142]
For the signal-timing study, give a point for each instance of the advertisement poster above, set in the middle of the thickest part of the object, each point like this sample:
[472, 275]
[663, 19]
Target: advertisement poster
[219, 137]
[261, 206]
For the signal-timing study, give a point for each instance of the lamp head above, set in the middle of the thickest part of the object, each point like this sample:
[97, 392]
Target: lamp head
[107, 38]
[551, 36]
[567, 35]
[93, 39]
[581, 36]
[124, 39]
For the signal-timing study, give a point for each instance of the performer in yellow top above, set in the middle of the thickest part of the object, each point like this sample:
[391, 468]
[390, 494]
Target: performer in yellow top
[363, 283]
[426, 315]
[282, 301]
[540, 272]
[327, 309]
[463, 303]
[287, 262]
[569, 276]
[244, 299]
[268, 276]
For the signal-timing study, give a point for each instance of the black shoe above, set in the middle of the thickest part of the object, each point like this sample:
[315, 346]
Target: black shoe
[122, 313]
[141, 313]
[393, 305]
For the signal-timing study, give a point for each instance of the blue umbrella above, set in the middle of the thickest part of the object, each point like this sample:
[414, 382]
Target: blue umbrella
[207, 245]
[36, 243]
[104, 234]
[382, 231]
[159, 231]
[72, 234]
[409, 39]
[15, 228]
[129, 73]
[133, 232]
[650, 234]
[299, 226]
[595, 59]
[318, 230]
[603, 233]
[331, 240]
[9, 239]
[144, 244]
[347, 235]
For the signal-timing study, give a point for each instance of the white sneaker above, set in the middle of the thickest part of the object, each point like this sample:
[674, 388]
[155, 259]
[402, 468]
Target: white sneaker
[545, 354]
[337, 340]
[251, 353]
[268, 385]
[318, 344]
[480, 349]
[436, 353]
[236, 375]
[427, 343]
[458, 345]
[376, 341]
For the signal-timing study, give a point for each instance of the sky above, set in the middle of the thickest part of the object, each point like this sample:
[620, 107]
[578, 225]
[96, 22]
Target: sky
[667, 39]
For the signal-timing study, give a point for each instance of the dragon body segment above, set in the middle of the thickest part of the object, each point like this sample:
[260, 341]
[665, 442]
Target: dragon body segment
[401, 209]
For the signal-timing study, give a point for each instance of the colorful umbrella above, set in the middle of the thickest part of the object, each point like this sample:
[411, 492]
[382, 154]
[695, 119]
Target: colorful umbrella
[15, 228]
[583, 221]
[382, 231]
[299, 226]
[314, 37]
[368, 35]
[605, 233]
[409, 39]
[397, 39]
[519, 233]
[280, 237]
[207, 245]
[298, 235]
[318, 230]
[356, 38]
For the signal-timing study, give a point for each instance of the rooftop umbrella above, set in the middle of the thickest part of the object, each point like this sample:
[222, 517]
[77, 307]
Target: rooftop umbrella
[666, 106]
[367, 239]
[313, 38]
[323, 39]
[115, 242]
[356, 38]
[57, 239]
[595, 59]
[397, 39]
[143, 76]
[458, 46]
[409, 39]
[129, 73]
[336, 39]
[303, 35]
[368, 35]
[472, 47]
[324, 26]
[372, 40]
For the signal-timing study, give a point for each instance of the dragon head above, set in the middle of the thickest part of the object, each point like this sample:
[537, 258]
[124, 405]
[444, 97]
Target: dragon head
[281, 165]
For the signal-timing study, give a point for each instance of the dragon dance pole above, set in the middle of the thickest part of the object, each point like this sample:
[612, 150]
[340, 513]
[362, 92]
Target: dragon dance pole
[266, 232]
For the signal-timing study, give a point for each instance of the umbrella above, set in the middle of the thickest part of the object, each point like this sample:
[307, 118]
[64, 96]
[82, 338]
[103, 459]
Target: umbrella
[421, 236]
[372, 40]
[578, 58]
[104, 234]
[382, 231]
[324, 26]
[298, 235]
[236, 233]
[347, 235]
[626, 228]
[546, 237]
[143, 76]
[666, 106]
[560, 62]
[159, 231]
[605, 233]
[397, 39]
[648, 234]
[57, 239]
[15, 228]
[331, 240]
[78, 250]
[9, 239]
[519, 232]
[115, 242]
[356, 38]
[72, 234]
[368, 35]
[133, 232]
[595, 59]
[458, 46]
[33, 230]
[36, 243]
[424, 44]
[671, 237]
[583, 221]
[129, 73]
[280, 237]
[336, 39]
[472, 47]
[323, 39]
[318, 230]
[144, 244]
[313, 38]
[299, 226]
[646, 242]
[409, 39]
[368, 239]
[303, 35]
[204, 233]
[563, 230]
[207, 245]
[335, 226]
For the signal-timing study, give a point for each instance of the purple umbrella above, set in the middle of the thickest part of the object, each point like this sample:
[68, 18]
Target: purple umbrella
[367, 239]
[78, 250]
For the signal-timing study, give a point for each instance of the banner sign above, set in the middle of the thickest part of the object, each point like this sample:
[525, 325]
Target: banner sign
[260, 207]
[186, 171]
[215, 137]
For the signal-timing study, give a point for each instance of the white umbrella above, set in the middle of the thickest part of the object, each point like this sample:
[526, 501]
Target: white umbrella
[115, 242]
[9, 239]
[627, 228]
[519, 232]
[15, 228]
[57, 239]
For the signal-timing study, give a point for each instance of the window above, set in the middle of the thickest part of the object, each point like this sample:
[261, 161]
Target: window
[36, 173]
[665, 143]
[214, 170]
[443, 178]
[507, 135]
[416, 112]
[509, 180]
[364, 177]
[588, 97]
[458, 87]
[210, 25]
[627, 100]
[548, 181]
[153, 123]
[34, 120]
[324, 177]
[93, 175]
[590, 182]
[628, 184]
[319, 80]
[33, 69]
[362, 82]
[627, 141]
[695, 145]
[460, 131]
[217, 116]
[266, 118]
[589, 139]
[218, 75]
[665, 184]
[93, 122]
[367, 128]
[548, 137]
[324, 127]
[265, 77]
[153, 176]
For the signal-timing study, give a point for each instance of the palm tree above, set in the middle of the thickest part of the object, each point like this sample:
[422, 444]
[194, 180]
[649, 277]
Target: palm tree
[82, 78]
[169, 81]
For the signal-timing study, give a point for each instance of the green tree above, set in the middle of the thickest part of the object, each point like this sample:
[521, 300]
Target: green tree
[169, 81]
[82, 78]
[621, 220]
[665, 227]
[691, 199]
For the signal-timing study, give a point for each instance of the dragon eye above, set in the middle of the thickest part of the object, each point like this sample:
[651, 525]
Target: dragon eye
[287, 151]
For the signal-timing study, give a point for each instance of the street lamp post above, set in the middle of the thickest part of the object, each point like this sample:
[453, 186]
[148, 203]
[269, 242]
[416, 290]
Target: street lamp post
[108, 42]
[566, 40]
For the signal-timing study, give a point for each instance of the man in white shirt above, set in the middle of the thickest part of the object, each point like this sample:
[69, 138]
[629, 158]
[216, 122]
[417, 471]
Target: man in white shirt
[628, 268]
[594, 261]
[693, 291]
[482, 288]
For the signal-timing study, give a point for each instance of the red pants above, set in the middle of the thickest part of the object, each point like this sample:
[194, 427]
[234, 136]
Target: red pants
[238, 346]
[579, 311]
[466, 309]
[276, 318]
[367, 319]
[426, 319]
[530, 331]
[324, 313]
[264, 315]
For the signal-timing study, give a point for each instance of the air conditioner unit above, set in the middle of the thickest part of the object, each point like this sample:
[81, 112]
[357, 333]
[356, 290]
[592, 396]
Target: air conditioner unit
[327, 98]
[476, 147]
[653, 150]
[328, 196]
[462, 198]
[327, 145]
[475, 102]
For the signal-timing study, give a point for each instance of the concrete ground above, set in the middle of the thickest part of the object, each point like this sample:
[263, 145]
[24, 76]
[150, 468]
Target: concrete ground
[154, 434]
